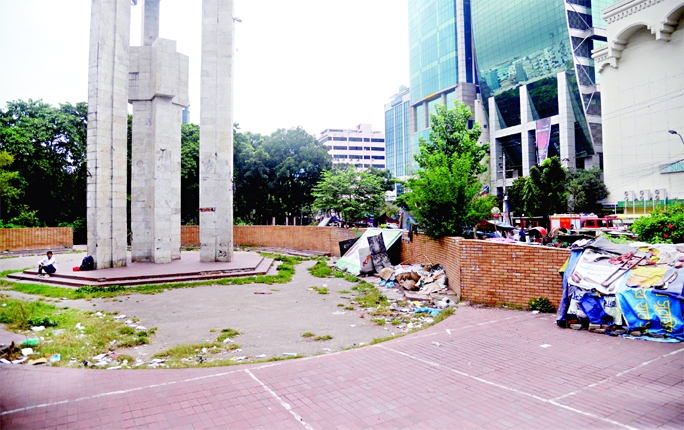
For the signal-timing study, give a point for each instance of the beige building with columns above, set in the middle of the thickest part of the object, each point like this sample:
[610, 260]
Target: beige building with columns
[642, 82]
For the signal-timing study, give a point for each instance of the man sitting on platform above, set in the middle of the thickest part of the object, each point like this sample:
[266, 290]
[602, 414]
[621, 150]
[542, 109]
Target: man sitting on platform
[47, 264]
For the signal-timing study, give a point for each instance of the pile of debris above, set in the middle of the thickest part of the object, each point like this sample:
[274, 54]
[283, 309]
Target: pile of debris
[632, 290]
[423, 279]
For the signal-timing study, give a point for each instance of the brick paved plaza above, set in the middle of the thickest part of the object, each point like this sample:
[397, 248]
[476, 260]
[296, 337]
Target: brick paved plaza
[481, 368]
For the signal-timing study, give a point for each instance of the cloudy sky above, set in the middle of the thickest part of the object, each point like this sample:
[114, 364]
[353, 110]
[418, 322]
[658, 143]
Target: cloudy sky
[312, 63]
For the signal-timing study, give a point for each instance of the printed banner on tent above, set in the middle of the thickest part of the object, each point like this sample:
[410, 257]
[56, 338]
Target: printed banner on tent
[543, 127]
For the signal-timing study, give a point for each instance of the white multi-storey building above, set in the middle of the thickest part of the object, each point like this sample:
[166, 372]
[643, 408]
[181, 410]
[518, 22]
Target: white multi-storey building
[361, 147]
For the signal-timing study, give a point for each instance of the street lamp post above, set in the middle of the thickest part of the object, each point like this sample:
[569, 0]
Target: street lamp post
[675, 132]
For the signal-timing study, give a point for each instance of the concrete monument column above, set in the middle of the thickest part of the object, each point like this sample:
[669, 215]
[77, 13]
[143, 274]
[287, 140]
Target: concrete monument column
[567, 122]
[216, 131]
[150, 22]
[158, 91]
[527, 139]
[107, 125]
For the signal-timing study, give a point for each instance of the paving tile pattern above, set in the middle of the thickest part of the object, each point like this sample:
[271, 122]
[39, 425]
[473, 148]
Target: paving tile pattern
[481, 368]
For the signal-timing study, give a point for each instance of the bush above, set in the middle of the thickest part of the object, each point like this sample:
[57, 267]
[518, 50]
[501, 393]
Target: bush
[541, 304]
[662, 226]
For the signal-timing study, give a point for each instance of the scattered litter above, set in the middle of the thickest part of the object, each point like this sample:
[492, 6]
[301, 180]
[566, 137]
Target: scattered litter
[38, 328]
[2, 360]
[261, 356]
[263, 292]
[141, 328]
[546, 345]
[19, 361]
[79, 326]
[436, 343]
[26, 351]
[352, 325]
[55, 358]
[119, 317]
[30, 342]
[227, 340]
[448, 332]
[99, 357]
[37, 361]
[339, 313]
[114, 368]
[58, 332]
[535, 312]
[289, 354]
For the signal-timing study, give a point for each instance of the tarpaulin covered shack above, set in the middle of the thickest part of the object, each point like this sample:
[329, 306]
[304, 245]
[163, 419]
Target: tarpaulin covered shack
[358, 258]
[635, 288]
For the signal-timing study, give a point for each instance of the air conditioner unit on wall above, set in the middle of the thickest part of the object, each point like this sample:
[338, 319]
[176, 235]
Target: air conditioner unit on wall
[644, 195]
[660, 194]
[629, 195]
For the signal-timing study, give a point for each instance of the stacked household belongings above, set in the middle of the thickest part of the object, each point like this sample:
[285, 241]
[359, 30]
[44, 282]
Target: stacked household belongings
[422, 279]
[369, 253]
[632, 290]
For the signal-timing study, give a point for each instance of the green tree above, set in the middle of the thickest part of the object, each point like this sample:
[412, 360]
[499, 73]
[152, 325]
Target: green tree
[516, 202]
[190, 173]
[350, 193]
[444, 197]
[449, 134]
[587, 188]
[8, 192]
[49, 149]
[544, 191]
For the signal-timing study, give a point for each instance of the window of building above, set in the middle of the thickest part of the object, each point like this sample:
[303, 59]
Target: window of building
[379, 166]
[340, 139]
[325, 139]
[358, 165]
[356, 148]
[343, 156]
[366, 148]
[355, 139]
[378, 157]
[366, 157]
[365, 139]
[340, 148]
[378, 149]
[377, 140]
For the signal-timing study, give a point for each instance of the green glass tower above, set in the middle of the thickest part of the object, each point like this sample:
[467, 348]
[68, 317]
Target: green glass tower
[535, 68]
[442, 67]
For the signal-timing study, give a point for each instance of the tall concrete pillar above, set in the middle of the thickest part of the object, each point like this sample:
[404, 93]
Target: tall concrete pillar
[158, 91]
[110, 22]
[150, 22]
[567, 122]
[216, 131]
[528, 142]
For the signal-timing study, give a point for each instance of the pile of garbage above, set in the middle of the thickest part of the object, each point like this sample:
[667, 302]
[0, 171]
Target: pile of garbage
[634, 290]
[423, 279]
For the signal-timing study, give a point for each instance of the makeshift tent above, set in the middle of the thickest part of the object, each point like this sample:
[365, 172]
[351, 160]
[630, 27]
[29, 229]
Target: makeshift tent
[638, 287]
[358, 259]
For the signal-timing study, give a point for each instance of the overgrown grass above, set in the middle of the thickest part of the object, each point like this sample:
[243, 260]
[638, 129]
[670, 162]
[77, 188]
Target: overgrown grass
[324, 337]
[308, 334]
[285, 271]
[227, 333]
[321, 290]
[379, 321]
[321, 269]
[371, 296]
[100, 334]
[344, 292]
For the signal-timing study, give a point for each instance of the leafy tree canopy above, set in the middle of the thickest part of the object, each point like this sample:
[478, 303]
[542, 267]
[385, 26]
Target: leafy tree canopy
[662, 226]
[350, 193]
[587, 188]
[444, 196]
[49, 149]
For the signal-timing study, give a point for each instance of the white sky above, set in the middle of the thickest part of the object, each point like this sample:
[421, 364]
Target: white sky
[312, 63]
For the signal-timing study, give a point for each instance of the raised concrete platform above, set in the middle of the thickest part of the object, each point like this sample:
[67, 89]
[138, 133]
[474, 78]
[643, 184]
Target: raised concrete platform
[188, 268]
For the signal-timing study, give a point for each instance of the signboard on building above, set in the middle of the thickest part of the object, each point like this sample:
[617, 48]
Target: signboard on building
[543, 136]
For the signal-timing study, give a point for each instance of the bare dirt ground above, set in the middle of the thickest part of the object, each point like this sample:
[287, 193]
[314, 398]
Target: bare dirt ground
[270, 324]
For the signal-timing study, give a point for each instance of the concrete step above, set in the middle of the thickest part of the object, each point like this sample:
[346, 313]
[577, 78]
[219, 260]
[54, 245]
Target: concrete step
[141, 279]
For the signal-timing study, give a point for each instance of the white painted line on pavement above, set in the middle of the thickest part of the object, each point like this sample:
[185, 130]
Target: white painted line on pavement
[282, 402]
[514, 390]
[617, 375]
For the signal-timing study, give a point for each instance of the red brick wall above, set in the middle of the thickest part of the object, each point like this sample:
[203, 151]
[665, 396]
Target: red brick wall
[324, 239]
[504, 273]
[479, 271]
[19, 239]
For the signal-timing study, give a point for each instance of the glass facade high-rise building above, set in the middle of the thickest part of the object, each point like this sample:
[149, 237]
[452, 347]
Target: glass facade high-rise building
[397, 137]
[534, 62]
[442, 67]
